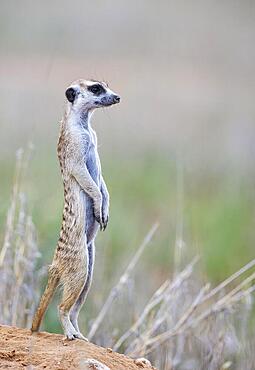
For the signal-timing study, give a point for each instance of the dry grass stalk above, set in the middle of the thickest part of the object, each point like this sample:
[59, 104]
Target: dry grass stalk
[196, 313]
[149, 344]
[156, 299]
[122, 282]
[186, 324]
[18, 257]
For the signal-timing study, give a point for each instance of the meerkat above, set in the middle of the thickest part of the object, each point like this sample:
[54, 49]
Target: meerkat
[86, 204]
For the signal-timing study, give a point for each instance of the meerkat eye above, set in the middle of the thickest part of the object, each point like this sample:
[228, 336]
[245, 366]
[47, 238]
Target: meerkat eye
[70, 94]
[96, 89]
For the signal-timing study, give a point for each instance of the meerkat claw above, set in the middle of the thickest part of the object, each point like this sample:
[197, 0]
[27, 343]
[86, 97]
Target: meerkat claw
[105, 222]
[100, 221]
[80, 336]
[75, 335]
[69, 337]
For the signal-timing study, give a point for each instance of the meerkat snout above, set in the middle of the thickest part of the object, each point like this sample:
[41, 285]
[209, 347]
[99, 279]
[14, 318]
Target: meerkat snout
[116, 99]
[109, 100]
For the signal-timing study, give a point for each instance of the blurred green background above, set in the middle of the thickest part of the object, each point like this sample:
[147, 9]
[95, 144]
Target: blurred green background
[179, 149]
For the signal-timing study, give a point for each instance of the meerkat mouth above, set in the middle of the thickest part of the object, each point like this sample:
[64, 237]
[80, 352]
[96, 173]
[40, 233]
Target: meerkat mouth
[104, 104]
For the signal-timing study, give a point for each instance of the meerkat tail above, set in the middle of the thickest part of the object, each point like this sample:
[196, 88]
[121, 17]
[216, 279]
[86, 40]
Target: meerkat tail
[44, 302]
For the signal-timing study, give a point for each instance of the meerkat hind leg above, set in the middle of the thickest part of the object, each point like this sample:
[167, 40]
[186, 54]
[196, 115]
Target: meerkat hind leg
[82, 297]
[70, 294]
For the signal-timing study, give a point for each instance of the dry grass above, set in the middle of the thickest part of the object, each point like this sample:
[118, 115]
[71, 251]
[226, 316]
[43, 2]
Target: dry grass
[185, 325]
[19, 288]
[188, 325]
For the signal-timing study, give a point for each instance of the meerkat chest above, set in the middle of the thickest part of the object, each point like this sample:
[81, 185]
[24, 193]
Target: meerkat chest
[92, 158]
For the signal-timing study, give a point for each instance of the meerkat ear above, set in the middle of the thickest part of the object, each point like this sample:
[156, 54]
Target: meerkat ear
[70, 94]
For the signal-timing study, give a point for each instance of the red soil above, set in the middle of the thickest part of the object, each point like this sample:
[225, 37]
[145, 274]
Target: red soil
[19, 349]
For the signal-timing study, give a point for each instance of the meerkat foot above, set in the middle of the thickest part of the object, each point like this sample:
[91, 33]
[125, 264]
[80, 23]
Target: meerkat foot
[70, 331]
[72, 335]
[81, 336]
[76, 327]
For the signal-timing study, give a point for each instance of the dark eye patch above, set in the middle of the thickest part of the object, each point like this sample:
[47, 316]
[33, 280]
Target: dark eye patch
[96, 89]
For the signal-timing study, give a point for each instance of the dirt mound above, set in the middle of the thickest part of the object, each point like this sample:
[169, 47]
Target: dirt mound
[19, 349]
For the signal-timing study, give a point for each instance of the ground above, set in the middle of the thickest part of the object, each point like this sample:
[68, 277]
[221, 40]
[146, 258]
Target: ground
[19, 349]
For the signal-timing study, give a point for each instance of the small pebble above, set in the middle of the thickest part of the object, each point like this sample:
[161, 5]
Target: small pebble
[142, 362]
[227, 365]
[92, 364]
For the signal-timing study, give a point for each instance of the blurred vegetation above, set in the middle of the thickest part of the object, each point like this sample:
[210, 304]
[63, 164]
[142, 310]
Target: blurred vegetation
[182, 309]
[217, 215]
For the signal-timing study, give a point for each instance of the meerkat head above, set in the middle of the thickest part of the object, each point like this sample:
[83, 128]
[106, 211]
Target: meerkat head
[83, 95]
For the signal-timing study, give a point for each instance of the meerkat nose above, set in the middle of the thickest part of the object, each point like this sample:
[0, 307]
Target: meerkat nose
[116, 98]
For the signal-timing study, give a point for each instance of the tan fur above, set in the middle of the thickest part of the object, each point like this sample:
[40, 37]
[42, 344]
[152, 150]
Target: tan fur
[69, 264]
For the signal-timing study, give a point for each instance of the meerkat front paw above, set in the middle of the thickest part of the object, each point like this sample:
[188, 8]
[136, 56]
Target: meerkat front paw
[99, 219]
[105, 211]
[105, 219]
[102, 220]
[98, 210]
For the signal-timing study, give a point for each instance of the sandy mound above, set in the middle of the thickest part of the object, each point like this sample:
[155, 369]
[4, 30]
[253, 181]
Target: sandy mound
[19, 350]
